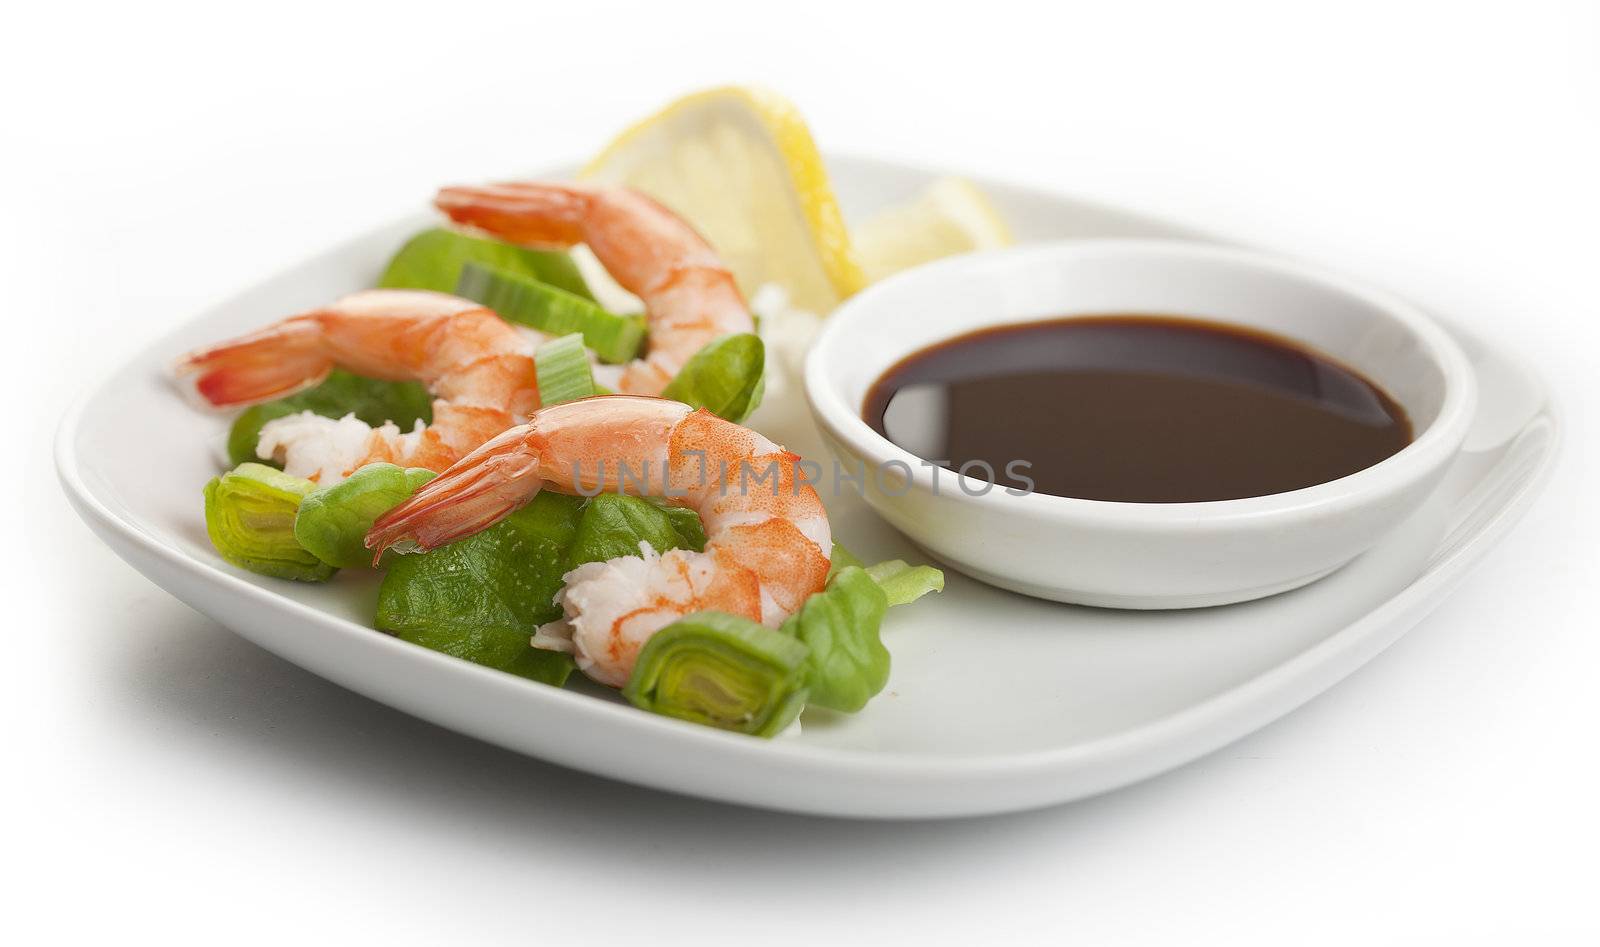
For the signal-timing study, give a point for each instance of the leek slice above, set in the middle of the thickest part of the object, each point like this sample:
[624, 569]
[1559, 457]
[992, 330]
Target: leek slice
[250, 514]
[554, 310]
[562, 369]
[723, 671]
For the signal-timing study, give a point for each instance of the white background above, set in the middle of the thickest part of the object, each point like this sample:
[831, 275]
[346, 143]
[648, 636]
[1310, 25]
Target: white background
[166, 780]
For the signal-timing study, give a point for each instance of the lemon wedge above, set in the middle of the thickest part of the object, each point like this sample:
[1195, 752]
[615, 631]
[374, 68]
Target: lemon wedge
[951, 216]
[739, 164]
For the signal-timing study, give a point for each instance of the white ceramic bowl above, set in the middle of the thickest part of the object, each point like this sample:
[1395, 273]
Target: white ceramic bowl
[1141, 555]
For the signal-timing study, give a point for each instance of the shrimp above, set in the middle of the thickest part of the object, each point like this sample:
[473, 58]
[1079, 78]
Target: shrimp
[690, 298]
[767, 538]
[478, 367]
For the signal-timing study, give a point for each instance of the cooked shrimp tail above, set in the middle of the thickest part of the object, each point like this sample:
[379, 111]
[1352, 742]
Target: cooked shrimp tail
[273, 363]
[529, 215]
[690, 297]
[480, 490]
[478, 367]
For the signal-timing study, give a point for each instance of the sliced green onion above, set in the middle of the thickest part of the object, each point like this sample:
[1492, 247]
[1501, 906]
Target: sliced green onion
[613, 338]
[434, 258]
[250, 514]
[723, 671]
[333, 521]
[726, 377]
[562, 369]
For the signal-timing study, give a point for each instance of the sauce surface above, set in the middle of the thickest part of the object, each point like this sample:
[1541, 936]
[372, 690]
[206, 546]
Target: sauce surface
[1136, 408]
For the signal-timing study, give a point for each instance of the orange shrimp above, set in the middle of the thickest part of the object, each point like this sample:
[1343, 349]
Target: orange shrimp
[690, 298]
[478, 367]
[767, 537]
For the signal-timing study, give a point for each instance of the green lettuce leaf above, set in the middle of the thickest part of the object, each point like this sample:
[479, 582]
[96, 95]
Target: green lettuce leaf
[481, 598]
[333, 521]
[341, 393]
[840, 558]
[726, 377]
[433, 260]
[901, 583]
[685, 522]
[250, 514]
[613, 525]
[847, 664]
[722, 671]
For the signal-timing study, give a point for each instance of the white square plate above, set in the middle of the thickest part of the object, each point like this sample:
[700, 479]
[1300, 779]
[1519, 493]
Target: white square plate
[997, 702]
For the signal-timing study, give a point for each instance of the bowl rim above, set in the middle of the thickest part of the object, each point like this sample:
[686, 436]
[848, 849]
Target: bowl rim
[1433, 446]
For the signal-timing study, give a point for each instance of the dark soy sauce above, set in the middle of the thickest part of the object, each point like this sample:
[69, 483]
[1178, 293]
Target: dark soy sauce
[1145, 409]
